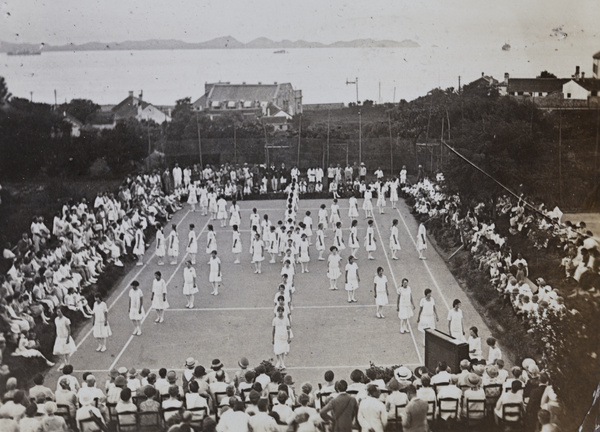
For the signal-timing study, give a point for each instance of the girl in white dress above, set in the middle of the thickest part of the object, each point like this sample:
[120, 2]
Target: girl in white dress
[368, 204]
[160, 245]
[203, 200]
[212, 204]
[381, 190]
[394, 192]
[303, 255]
[323, 217]
[281, 337]
[334, 216]
[173, 244]
[189, 284]
[394, 241]
[422, 241]
[353, 242]
[352, 279]
[234, 212]
[64, 345]
[308, 229]
[211, 240]
[214, 274]
[474, 342]
[370, 241]
[265, 226]
[192, 197]
[258, 248]
[254, 224]
[427, 313]
[222, 211]
[338, 239]
[353, 207]
[192, 245]
[455, 321]
[381, 291]
[320, 242]
[139, 246]
[236, 246]
[333, 263]
[159, 297]
[136, 307]
[273, 243]
[101, 326]
[404, 305]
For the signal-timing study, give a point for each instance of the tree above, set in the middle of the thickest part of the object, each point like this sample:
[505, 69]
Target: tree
[546, 74]
[79, 108]
[4, 94]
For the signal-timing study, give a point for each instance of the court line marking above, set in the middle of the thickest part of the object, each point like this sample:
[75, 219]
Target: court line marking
[89, 332]
[150, 308]
[412, 335]
[258, 308]
[424, 261]
[324, 368]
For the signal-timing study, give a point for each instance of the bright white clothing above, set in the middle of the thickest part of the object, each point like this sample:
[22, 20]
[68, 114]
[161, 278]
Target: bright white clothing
[456, 330]
[380, 288]
[159, 289]
[352, 276]
[427, 320]
[214, 274]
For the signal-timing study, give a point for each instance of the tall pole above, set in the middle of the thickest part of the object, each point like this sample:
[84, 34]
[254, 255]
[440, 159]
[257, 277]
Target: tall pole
[149, 144]
[55, 99]
[560, 188]
[597, 144]
[199, 140]
[359, 137]
[234, 144]
[356, 80]
[391, 145]
[325, 165]
[299, 139]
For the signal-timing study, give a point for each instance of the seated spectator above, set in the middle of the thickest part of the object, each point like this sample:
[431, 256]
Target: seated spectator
[252, 405]
[11, 389]
[442, 374]
[545, 421]
[194, 400]
[114, 394]
[133, 382]
[51, 422]
[372, 415]
[150, 404]
[235, 419]
[172, 402]
[15, 408]
[394, 399]
[30, 422]
[450, 391]
[426, 392]
[65, 396]
[162, 385]
[261, 421]
[494, 353]
[502, 373]
[515, 395]
[474, 392]
[39, 388]
[281, 408]
[303, 400]
[88, 411]
[126, 405]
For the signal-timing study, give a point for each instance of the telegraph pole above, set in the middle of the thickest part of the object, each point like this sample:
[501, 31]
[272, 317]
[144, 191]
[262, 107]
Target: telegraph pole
[355, 82]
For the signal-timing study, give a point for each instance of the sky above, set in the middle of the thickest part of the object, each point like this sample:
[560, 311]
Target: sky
[429, 22]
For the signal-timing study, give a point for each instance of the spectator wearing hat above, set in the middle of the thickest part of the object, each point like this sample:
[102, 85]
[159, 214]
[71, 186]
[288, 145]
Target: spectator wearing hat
[515, 395]
[133, 382]
[343, 409]
[395, 398]
[216, 366]
[110, 382]
[172, 380]
[240, 375]
[65, 396]
[450, 391]
[372, 415]
[91, 389]
[87, 411]
[188, 373]
[114, 394]
[465, 370]
[51, 422]
[474, 392]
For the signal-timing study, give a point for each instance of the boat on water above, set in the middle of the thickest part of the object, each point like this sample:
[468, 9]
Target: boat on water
[506, 47]
[23, 53]
[281, 51]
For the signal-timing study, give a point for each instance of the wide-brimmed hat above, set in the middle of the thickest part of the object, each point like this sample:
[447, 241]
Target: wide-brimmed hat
[171, 376]
[527, 363]
[190, 362]
[473, 379]
[216, 364]
[86, 398]
[122, 370]
[145, 372]
[243, 363]
[533, 371]
[288, 380]
[403, 373]
[419, 371]
[120, 381]
[132, 373]
[492, 371]
[113, 373]
[199, 371]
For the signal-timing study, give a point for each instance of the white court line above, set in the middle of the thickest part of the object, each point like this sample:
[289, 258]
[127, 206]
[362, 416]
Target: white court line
[150, 308]
[424, 262]
[268, 308]
[324, 368]
[89, 332]
[412, 335]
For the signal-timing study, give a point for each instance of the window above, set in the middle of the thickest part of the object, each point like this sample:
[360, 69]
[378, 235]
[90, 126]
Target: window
[520, 93]
[568, 95]
[540, 94]
[594, 92]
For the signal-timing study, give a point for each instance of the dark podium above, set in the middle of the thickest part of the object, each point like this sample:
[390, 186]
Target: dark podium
[440, 346]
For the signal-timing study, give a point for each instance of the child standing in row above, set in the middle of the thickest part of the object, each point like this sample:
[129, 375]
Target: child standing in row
[303, 254]
[214, 274]
[258, 248]
[353, 242]
[370, 245]
[320, 242]
[352, 279]
[333, 272]
[394, 242]
[236, 247]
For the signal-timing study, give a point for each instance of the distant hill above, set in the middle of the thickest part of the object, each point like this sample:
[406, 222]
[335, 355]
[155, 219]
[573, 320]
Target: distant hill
[217, 43]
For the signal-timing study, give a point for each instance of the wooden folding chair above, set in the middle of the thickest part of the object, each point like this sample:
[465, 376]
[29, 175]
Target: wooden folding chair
[475, 409]
[127, 421]
[149, 421]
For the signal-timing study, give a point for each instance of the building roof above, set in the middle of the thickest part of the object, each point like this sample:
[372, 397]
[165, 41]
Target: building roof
[236, 92]
[101, 118]
[590, 84]
[128, 107]
[597, 55]
[537, 85]
[73, 120]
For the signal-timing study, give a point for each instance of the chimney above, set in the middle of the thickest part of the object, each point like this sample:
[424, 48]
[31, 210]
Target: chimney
[582, 75]
[141, 97]
[275, 83]
[506, 76]
[482, 74]
[259, 83]
[131, 93]
[576, 72]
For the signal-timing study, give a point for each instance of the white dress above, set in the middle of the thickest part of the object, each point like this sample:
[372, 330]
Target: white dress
[405, 307]
[192, 197]
[455, 317]
[367, 204]
[320, 240]
[427, 320]
[135, 298]
[333, 262]
[338, 240]
[370, 245]
[309, 225]
[235, 219]
[273, 242]
[281, 345]
[394, 191]
[236, 246]
[258, 247]
[189, 273]
[159, 289]
[100, 330]
[353, 242]
[380, 283]
[474, 344]
[192, 246]
[303, 251]
[61, 345]
[422, 234]
[352, 270]
[394, 242]
[160, 244]
[173, 244]
[214, 274]
[211, 242]
[212, 202]
[323, 218]
[353, 207]
[334, 216]
[221, 209]
[139, 247]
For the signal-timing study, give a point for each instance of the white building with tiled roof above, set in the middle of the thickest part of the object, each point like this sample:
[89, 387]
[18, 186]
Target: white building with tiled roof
[136, 107]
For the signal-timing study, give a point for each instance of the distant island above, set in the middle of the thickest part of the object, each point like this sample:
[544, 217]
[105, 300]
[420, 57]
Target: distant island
[225, 42]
